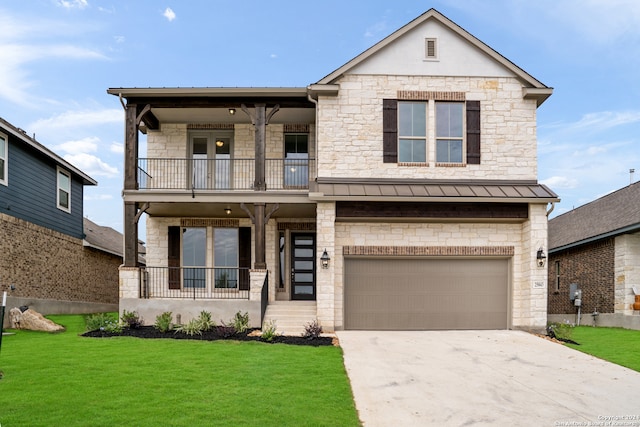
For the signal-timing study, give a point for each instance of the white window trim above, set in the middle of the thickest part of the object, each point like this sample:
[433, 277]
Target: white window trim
[463, 162]
[416, 138]
[4, 179]
[59, 171]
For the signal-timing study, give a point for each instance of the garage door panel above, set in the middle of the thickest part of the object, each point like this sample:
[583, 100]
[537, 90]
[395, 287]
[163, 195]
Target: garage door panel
[418, 294]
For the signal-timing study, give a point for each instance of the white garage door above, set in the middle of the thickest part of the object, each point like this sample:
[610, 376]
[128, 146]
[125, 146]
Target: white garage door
[422, 294]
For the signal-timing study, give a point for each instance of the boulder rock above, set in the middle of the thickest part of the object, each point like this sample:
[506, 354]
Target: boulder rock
[32, 320]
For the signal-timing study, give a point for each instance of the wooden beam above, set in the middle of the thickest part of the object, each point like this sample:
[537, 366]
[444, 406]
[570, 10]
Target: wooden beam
[150, 120]
[260, 263]
[260, 147]
[131, 148]
[130, 235]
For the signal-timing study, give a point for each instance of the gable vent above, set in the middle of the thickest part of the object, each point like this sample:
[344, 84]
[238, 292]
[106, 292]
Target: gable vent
[431, 49]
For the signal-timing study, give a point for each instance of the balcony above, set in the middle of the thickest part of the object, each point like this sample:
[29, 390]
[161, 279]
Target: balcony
[223, 174]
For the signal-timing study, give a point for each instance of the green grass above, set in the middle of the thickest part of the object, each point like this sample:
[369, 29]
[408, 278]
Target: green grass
[67, 380]
[617, 345]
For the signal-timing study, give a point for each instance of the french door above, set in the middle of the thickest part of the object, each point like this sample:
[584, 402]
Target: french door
[211, 160]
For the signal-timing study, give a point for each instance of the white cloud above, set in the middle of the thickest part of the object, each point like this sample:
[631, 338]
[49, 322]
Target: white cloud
[85, 145]
[73, 4]
[116, 147]
[556, 182]
[91, 165]
[119, 39]
[79, 119]
[169, 14]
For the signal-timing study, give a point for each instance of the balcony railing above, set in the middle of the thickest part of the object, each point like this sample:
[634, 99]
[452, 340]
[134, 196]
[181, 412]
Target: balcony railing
[195, 283]
[222, 174]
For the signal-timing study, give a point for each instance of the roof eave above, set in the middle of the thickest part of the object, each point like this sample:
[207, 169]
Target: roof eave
[209, 92]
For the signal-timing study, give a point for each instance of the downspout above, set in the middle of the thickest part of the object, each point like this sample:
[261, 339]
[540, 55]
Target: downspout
[315, 129]
[553, 206]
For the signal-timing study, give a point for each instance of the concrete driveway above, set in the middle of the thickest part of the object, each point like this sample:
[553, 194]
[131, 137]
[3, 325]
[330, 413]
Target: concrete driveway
[475, 378]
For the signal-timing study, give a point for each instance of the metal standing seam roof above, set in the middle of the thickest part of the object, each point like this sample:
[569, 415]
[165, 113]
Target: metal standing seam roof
[610, 215]
[330, 189]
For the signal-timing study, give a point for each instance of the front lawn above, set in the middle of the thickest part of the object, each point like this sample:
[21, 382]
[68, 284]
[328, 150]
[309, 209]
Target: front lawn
[65, 379]
[617, 345]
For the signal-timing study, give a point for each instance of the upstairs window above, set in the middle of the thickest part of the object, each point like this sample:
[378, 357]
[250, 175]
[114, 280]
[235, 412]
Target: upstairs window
[4, 155]
[449, 132]
[64, 190]
[412, 132]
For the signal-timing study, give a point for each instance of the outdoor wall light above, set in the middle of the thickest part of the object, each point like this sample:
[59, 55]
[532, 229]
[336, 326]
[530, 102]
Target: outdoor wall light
[219, 143]
[232, 111]
[325, 259]
[227, 211]
[541, 258]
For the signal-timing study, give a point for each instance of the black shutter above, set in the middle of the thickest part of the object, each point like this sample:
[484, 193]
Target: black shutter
[473, 132]
[390, 130]
[173, 257]
[244, 257]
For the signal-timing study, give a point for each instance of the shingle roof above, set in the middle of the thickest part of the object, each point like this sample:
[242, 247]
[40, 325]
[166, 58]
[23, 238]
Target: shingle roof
[105, 239]
[615, 213]
[428, 190]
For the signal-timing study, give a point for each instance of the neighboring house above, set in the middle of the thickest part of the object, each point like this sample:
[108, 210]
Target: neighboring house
[411, 169]
[597, 247]
[41, 231]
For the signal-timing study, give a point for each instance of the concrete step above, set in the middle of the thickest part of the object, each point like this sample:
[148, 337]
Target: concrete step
[290, 317]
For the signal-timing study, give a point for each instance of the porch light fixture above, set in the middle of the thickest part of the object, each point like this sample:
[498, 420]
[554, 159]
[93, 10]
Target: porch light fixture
[325, 259]
[227, 211]
[219, 143]
[541, 258]
[232, 111]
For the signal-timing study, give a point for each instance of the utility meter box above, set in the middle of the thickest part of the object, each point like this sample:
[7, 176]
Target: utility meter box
[573, 288]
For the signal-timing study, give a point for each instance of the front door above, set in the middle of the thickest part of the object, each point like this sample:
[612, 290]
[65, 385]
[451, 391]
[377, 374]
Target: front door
[303, 266]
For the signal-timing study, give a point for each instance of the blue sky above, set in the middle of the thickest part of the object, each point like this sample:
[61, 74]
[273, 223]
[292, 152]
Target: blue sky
[58, 57]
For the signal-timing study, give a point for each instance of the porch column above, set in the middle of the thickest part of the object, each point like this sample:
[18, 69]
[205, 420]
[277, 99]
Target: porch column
[131, 183]
[260, 143]
[259, 221]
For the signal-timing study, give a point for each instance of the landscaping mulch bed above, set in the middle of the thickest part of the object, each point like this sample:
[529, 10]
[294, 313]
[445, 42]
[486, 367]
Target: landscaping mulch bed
[211, 335]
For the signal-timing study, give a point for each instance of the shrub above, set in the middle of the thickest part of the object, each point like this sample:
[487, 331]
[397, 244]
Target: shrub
[561, 331]
[241, 322]
[164, 322]
[131, 319]
[193, 327]
[312, 330]
[99, 321]
[269, 331]
[205, 320]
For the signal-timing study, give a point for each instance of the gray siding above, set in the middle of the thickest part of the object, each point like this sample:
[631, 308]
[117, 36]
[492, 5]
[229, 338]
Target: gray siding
[31, 193]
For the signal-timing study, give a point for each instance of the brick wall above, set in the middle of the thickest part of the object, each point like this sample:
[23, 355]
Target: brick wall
[592, 267]
[45, 264]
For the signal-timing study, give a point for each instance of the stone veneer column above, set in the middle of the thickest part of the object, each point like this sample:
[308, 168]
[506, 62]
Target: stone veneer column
[627, 272]
[129, 282]
[325, 283]
[256, 280]
[530, 293]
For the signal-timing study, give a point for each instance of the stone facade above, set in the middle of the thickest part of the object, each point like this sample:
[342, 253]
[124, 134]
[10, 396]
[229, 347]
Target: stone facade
[353, 148]
[47, 265]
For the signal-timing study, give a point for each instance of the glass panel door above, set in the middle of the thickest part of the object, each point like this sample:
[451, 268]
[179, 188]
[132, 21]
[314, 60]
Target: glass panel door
[296, 160]
[303, 266]
[200, 178]
[225, 261]
[223, 164]
[194, 249]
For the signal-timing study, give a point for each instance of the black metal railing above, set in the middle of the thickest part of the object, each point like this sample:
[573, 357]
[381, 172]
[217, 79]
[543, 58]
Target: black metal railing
[195, 283]
[264, 298]
[222, 174]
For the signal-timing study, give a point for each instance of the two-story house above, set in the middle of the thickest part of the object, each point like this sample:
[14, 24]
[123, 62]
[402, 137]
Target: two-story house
[45, 255]
[398, 192]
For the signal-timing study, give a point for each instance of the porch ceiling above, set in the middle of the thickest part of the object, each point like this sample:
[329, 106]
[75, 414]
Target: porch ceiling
[221, 115]
[207, 210]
